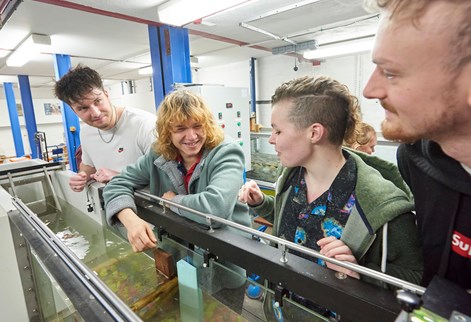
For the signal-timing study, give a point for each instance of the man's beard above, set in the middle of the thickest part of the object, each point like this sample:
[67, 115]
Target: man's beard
[393, 130]
[435, 128]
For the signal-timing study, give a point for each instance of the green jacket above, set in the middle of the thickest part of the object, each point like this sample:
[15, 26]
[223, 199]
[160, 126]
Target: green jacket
[213, 188]
[381, 202]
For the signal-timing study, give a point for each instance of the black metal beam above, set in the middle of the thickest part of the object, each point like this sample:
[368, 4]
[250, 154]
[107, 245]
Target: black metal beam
[352, 299]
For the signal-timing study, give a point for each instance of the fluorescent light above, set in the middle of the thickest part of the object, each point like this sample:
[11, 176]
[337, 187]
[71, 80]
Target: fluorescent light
[145, 70]
[29, 48]
[4, 53]
[341, 49]
[182, 12]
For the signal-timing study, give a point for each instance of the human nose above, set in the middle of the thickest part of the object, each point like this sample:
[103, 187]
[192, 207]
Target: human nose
[191, 133]
[271, 139]
[374, 88]
[94, 110]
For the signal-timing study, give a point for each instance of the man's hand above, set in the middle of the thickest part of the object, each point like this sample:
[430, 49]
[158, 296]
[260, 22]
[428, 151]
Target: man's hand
[335, 248]
[103, 175]
[140, 234]
[78, 181]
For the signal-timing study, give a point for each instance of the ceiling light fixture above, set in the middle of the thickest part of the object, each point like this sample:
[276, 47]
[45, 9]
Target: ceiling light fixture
[340, 49]
[4, 53]
[182, 12]
[30, 47]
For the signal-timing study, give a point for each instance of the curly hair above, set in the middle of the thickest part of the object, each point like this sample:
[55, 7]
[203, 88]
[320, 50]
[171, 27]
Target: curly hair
[178, 108]
[77, 83]
[459, 43]
[322, 100]
[365, 135]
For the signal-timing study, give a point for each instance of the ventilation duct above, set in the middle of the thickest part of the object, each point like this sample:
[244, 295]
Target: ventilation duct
[300, 47]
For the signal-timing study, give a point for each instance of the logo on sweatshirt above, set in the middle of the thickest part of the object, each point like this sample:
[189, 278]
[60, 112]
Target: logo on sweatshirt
[461, 244]
[120, 150]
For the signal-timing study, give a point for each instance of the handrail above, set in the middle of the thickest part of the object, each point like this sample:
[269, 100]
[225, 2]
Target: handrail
[285, 244]
[18, 172]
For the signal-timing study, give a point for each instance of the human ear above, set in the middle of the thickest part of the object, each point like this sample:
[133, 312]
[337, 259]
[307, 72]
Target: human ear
[317, 132]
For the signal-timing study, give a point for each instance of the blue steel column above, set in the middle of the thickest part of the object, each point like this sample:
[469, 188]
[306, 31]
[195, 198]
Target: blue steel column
[175, 53]
[157, 77]
[14, 121]
[170, 54]
[70, 120]
[253, 96]
[28, 110]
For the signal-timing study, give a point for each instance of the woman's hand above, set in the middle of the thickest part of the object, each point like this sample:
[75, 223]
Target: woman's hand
[140, 234]
[251, 194]
[169, 195]
[335, 248]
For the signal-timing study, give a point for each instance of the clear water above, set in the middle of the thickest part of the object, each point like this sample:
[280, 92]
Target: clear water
[131, 276]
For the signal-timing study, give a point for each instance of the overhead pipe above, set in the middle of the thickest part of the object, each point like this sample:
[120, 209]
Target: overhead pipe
[253, 96]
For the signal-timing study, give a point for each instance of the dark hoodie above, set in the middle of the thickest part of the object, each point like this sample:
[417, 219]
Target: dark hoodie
[442, 193]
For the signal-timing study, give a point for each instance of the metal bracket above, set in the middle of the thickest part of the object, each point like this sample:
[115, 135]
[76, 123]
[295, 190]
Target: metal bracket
[210, 223]
[207, 256]
[12, 185]
[408, 300]
[161, 232]
[284, 252]
[459, 317]
[279, 293]
[54, 196]
[164, 206]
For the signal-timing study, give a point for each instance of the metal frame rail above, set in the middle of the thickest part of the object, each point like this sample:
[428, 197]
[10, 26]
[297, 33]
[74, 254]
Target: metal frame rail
[90, 296]
[33, 170]
[352, 299]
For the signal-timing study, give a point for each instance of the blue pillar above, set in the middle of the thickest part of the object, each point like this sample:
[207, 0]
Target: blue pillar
[14, 121]
[30, 119]
[157, 77]
[170, 54]
[253, 96]
[70, 120]
[175, 52]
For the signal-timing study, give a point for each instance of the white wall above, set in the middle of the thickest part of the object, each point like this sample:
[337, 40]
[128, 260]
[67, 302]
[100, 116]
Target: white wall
[353, 71]
[231, 75]
[271, 71]
[143, 98]
[50, 124]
